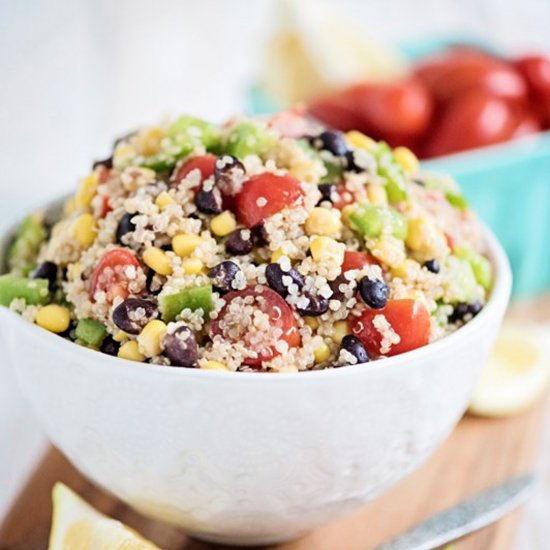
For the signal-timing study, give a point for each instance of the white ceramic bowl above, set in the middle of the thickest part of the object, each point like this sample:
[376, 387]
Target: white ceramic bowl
[251, 458]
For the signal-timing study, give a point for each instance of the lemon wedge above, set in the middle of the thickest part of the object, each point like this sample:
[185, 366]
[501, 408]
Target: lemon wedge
[313, 49]
[517, 373]
[78, 526]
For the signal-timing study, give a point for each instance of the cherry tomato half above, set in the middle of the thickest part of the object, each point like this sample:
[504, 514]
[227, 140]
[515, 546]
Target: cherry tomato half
[459, 70]
[264, 195]
[408, 318]
[113, 274]
[354, 259]
[401, 109]
[536, 71]
[281, 318]
[204, 163]
[472, 120]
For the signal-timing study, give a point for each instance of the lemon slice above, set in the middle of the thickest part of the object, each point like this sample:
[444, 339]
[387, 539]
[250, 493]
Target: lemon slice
[517, 374]
[78, 526]
[313, 49]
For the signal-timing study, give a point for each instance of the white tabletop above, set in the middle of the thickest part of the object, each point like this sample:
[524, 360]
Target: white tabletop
[77, 73]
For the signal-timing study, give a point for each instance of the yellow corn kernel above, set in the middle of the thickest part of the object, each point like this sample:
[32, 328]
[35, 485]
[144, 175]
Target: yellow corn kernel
[406, 270]
[339, 330]
[192, 266]
[325, 249]
[223, 224]
[377, 194]
[322, 221]
[388, 250]
[407, 160]
[312, 322]
[120, 336]
[87, 191]
[73, 271]
[164, 200]
[322, 353]
[276, 255]
[150, 338]
[123, 153]
[85, 230]
[54, 318]
[70, 206]
[360, 140]
[130, 351]
[346, 212]
[157, 260]
[148, 141]
[426, 239]
[184, 245]
[213, 365]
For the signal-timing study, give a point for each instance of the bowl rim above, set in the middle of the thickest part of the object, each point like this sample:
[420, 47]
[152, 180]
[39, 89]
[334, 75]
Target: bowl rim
[500, 294]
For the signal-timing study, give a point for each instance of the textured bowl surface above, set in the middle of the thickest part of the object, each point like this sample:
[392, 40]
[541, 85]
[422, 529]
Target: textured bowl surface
[250, 458]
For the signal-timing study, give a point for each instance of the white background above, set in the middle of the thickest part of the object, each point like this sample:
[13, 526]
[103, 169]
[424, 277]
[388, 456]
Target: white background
[75, 74]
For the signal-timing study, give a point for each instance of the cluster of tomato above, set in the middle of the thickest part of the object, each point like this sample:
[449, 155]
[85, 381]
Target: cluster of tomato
[460, 99]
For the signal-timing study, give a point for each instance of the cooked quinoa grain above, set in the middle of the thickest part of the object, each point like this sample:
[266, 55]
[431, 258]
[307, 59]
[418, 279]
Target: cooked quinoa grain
[263, 245]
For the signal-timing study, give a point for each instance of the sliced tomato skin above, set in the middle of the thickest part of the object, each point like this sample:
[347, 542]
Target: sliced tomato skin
[409, 319]
[204, 163]
[281, 316]
[264, 195]
[355, 259]
[117, 258]
[536, 72]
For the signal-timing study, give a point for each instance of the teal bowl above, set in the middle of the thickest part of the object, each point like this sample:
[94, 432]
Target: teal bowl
[508, 185]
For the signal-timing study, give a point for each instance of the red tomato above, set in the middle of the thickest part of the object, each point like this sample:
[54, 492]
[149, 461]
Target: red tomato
[527, 124]
[344, 196]
[472, 120]
[281, 318]
[264, 195]
[354, 259]
[536, 71]
[401, 109]
[337, 110]
[408, 318]
[459, 70]
[105, 206]
[111, 274]
[204, 163]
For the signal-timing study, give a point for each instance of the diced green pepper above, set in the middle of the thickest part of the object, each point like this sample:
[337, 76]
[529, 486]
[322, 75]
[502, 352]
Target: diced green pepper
[195, 297]
[22, 253]
[188, 129]
[334, 173]
[449, 188]
[463, 285]
[248, 138]
[391, 171]
[457, 200]
[481, 266]
[372, 221]
[33, 291]
[91, 332]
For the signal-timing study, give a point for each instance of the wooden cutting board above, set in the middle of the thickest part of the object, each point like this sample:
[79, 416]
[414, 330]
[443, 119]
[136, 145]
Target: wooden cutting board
[479, 453]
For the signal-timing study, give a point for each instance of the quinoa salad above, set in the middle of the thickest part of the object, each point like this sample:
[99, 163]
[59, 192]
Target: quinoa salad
[267, 244]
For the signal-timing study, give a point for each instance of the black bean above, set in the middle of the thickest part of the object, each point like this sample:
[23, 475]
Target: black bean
[209, 202]
[353, 345]
[181, 347]
[153, 282]
[352, 163]
[337, 294]
[374, 292]
[274, 275]
[239, 242]
[110, 346]
[229, 173]
[459, 312]
[125, 226]
[125, 137]
[317, 305]
[259, 235]
[223, 275]
[133, 314]
[46, 270]
[106, 163]
[432, 265]
[475, 307]
[327, 190]
[332, 141]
